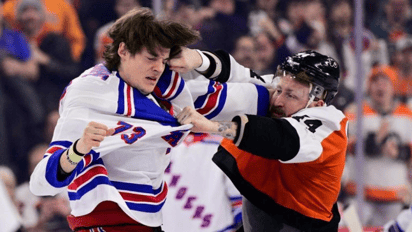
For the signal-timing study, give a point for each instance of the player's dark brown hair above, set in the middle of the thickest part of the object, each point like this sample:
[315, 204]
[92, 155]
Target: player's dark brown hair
[140, 29]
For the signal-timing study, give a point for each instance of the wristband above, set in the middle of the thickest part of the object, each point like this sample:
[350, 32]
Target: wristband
[205, 62]
[75, 150]
[241, 121]
[215, 67]
[74, 156]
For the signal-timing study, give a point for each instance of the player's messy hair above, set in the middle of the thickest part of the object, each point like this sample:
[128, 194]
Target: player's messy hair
[140, 29]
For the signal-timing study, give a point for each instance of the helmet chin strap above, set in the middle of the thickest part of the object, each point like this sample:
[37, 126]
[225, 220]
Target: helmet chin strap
[311, 96]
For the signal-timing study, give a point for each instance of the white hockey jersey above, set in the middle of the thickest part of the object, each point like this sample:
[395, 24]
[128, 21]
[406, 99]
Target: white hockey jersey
[128, 167]
[201, 197]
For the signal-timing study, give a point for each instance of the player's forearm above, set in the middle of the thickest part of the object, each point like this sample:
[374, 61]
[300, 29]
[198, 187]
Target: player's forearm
[220, 66]
[66, 166]
[203, 125]
[267, 137]
[211, 65]
[225, 129]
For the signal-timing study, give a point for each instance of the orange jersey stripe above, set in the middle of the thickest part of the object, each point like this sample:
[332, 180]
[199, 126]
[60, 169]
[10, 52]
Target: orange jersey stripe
[375, 193]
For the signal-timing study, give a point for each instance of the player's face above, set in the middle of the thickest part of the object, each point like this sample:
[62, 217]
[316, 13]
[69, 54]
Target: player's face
[381, 90]
[31, 20]
[289, 97]
[143, 70]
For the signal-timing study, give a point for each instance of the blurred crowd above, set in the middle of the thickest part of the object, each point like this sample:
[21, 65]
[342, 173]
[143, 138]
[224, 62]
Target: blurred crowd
[46, 43]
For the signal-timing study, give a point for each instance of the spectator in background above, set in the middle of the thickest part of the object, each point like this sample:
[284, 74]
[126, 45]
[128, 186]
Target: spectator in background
[387, 149]
[41, 214]
[61, 18]
[185, 11]
[306, 29]
[26, 201]
[190, 13]
[201, 197]
[341, 36]
[265, 18]
[16, 54]
[264, 24]
[24, 115]
[52, 214]
[229, 22]
[262, 9]
[372, 9]
[51, 52]
[394, 20]
[92, 15]
[340, 22]
[245, 52]
[9, 180]
[266, 61]
[340, 27]
[403, 86]
[102, 38]
[9, 220]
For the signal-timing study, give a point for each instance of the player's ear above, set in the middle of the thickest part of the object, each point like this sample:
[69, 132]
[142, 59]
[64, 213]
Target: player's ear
[320, 103]
[122, 50]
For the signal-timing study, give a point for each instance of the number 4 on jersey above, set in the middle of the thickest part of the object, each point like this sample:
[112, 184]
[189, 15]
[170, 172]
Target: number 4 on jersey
[312, 124]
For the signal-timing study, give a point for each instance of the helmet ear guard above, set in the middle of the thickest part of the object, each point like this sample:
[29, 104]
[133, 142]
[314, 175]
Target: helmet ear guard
[330, 96]
[318, 91]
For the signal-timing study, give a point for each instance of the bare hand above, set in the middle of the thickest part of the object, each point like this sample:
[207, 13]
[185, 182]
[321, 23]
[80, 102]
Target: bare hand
[186, 61]
[382, 132]
[390, 148]
[39, 56]
[270, 27]
[10, 66]
[93, 134]
[206, 13]
[26, 70]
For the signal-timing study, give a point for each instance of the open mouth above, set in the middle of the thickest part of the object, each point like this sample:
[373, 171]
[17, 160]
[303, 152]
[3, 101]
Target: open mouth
[277, 113]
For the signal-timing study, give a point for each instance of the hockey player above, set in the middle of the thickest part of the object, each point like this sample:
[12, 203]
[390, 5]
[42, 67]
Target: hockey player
[111, 144]
[201, 197]
[116, 96]
[288, 166]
